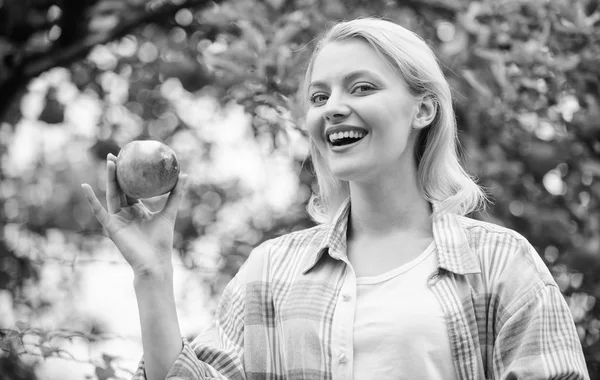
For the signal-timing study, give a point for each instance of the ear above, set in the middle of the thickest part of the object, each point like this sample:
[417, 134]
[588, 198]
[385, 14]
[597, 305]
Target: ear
[426, 112]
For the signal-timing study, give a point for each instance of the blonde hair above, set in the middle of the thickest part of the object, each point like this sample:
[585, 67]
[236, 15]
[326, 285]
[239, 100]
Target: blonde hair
[441, 178]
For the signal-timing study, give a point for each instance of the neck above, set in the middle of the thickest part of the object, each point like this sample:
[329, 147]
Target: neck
[391, 205]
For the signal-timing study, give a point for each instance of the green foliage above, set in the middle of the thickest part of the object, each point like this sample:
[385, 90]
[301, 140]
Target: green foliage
[527, 89]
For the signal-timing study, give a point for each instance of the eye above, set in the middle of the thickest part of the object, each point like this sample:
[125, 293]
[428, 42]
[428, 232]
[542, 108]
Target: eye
[318, 98]
[362, 88]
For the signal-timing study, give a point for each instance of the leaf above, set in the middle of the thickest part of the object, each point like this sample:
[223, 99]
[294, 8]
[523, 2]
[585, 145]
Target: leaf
[103, 23]
[217, 62]
[285, 34]
[479, 86]
[10, 338]
[108, 6]
[102, 148]
[48, 351]
[276, 4]
[107, 358]
[192, 74]
[53, 112]
[104, 373]
[566, 62]
[22, 325]
[253, 36]
[572, 11]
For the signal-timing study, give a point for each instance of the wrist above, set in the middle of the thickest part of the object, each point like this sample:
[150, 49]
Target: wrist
[153, 279]
[154, 270]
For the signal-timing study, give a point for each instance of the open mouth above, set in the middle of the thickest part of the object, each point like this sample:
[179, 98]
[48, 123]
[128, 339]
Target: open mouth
[346, 137]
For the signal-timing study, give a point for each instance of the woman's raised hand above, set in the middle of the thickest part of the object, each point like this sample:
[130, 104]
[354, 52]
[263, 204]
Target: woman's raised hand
[144, 238]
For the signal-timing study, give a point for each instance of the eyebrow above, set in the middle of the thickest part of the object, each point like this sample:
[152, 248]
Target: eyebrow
[347, 78]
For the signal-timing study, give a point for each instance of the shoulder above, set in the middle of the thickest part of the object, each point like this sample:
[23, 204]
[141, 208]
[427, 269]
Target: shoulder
[274, 259]
[296, 240]
[504, 253]
[482, 232]
[290, 248]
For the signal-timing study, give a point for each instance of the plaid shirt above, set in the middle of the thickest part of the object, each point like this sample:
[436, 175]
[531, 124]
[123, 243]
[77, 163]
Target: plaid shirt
[288, 313]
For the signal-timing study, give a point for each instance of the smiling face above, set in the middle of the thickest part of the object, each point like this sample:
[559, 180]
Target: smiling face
[361, 113]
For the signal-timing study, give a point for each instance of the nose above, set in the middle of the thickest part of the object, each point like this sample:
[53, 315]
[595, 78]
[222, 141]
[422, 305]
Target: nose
[335, 110]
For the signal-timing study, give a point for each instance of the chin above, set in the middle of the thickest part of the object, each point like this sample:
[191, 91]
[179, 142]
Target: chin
[347, 173]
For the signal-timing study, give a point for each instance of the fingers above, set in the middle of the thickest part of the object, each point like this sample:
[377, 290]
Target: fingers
[170, 209]
[113, 196]
[124, 200]
[131, 201]
[101, 214]
[112, 157]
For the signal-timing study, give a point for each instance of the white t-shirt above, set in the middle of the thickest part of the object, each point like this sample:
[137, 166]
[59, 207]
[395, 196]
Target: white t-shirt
[400, 330]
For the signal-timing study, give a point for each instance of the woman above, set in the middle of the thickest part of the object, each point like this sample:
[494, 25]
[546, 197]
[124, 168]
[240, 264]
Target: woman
[394, 283]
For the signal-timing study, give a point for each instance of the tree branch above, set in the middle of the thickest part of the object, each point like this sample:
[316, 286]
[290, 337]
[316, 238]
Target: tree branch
[37, 63]
[447, 7]
[34, 66]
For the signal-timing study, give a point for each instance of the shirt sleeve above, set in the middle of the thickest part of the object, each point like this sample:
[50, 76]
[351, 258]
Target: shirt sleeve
[187, 366]
[218, 353]
[539, 340]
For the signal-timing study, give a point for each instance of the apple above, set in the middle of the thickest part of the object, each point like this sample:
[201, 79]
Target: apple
[146, 169]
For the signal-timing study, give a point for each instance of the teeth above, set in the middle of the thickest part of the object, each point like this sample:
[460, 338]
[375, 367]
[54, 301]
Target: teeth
[347, 134]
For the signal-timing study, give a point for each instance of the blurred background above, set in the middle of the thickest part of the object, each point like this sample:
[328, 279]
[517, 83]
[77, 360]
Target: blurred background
[218, 81]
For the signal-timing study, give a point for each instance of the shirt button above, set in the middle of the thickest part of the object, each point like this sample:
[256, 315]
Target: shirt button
[346, 297]
[342, 359]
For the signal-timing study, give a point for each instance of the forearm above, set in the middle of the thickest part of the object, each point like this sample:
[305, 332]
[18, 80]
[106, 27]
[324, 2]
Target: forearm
[161, 337]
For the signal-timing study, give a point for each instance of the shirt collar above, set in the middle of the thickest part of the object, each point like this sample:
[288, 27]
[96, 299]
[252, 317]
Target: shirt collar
[334, 242]
[454, 252]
